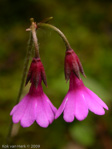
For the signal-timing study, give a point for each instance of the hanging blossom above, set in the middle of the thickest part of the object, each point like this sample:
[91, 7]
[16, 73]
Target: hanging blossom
[79, 99]
[35, 106]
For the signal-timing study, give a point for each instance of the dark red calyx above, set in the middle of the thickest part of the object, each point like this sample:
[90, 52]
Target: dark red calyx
[36, 72]
[72, 64]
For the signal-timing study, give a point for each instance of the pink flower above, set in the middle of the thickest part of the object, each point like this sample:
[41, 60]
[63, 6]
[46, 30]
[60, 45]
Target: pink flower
[79, 99]
[35, 106]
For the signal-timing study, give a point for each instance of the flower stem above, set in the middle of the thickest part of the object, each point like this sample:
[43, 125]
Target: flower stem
[68, 47]
[35, 40]
[29, 49]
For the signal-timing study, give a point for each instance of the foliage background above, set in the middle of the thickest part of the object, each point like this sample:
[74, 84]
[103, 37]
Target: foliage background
[88, 27]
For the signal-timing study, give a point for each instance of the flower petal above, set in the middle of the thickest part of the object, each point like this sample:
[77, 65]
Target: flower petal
[19, 109]
[49, 108]
[93, 105]
[28, 117]
[81, 109]
[44, 113]
[97, 98]
[61, 108]
[50, 103]
[69, 108]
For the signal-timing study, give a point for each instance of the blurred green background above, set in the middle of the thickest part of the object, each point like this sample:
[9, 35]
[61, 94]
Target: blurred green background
[88, 27]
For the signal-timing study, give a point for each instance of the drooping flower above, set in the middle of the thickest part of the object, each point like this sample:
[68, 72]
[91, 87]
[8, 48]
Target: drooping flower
[35, 106]
[79, 99]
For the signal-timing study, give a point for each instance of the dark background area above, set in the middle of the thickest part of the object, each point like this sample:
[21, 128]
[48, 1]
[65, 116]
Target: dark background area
[88, 27]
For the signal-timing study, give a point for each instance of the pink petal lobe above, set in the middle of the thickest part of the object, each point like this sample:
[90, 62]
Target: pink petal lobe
[28, 117]
[49, 108]
[44, 112]
[18, 110]
[81, 109]
[50, 103]
[61, 108]
[93, 105]
[97, 98]
[69, 108]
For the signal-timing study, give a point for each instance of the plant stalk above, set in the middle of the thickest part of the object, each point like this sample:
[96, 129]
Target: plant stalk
[43, 25]
[35, 39]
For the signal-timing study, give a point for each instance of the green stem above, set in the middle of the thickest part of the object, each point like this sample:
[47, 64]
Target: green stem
[35, 39]
[68, 47]
[30, 43]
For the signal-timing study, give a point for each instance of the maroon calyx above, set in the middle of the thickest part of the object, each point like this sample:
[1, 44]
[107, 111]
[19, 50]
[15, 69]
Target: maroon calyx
[36, 73]
[72, 64]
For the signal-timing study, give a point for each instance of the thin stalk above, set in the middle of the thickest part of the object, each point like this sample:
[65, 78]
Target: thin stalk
[29, 49]
[43, 25]
[35, 39]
